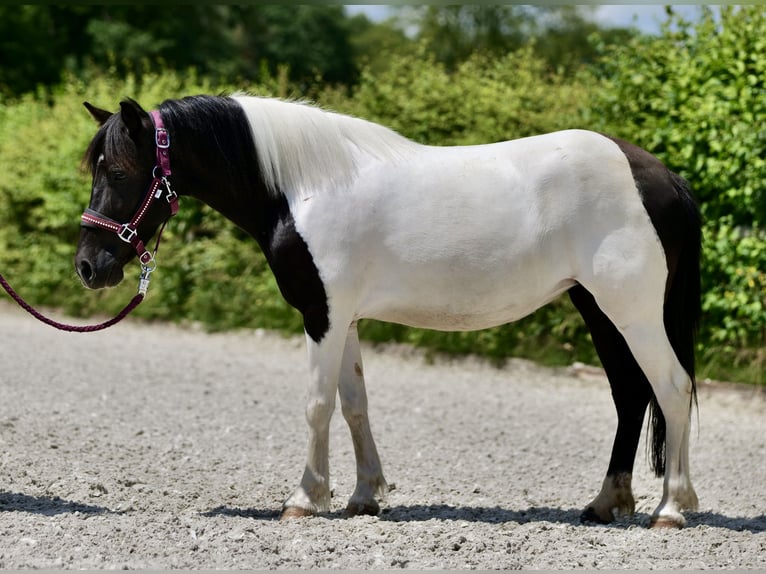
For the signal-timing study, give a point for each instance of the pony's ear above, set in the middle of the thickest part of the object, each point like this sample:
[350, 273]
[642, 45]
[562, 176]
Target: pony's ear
[98, 114]
[133, 116]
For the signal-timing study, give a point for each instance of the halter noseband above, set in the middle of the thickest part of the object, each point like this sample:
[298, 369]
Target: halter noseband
[128, 232]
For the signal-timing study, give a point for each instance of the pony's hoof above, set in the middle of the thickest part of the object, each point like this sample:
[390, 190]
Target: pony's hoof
[290, 512]
[590, 516]
[676, 522]
[371, 508]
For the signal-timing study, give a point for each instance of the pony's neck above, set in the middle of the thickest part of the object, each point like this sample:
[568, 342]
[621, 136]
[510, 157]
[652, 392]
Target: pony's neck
[214, 159]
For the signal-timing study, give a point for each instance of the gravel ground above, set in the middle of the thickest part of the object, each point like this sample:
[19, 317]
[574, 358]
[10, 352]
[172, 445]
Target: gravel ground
[152, 446]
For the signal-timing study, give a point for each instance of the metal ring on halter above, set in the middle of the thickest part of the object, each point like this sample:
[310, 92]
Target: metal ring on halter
[150, 267]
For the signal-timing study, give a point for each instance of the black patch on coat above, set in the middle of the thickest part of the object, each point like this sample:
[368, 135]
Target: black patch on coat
[214, 159]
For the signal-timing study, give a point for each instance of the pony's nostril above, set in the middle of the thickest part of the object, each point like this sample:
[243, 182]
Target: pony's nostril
[85, 269]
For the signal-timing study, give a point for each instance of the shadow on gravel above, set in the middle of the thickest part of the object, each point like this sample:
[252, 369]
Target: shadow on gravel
[45, 505]
[422, 513]
[497, 515]
[736, 523]
[255, 513]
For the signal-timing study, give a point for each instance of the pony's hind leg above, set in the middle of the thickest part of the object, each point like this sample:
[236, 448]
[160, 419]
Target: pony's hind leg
[673, 390]
[353, 398]
[642, 326]
[631, 393]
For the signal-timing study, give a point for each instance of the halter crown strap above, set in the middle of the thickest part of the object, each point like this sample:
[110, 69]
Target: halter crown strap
[162, 142]
[128, 232]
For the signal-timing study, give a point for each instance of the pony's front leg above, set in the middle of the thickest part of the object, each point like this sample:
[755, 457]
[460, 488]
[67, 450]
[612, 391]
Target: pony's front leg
[353, 399]
[313, 493]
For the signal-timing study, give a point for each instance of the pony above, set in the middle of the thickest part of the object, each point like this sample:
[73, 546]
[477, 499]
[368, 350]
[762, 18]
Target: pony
[357, 221]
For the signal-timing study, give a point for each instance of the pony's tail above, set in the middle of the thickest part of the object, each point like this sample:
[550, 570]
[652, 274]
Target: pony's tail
[682, 311]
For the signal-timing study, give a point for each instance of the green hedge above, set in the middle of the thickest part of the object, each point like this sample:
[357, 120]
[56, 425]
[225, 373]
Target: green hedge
[210, 272]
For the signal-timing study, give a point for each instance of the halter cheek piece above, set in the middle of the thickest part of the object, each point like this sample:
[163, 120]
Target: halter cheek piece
[128, 232]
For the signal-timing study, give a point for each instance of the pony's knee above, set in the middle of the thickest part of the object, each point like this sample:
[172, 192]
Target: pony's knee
[319, 412]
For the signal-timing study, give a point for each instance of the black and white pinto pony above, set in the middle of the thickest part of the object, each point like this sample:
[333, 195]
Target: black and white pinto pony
[357, 221]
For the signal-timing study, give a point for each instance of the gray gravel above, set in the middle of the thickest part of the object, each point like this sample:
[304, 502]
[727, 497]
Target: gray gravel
[153, 446]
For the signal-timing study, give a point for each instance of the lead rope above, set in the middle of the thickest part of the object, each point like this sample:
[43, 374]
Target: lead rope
[74, 328]
[143, 287]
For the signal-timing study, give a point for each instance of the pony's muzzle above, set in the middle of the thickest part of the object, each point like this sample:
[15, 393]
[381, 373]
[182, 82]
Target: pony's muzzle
[99, 271]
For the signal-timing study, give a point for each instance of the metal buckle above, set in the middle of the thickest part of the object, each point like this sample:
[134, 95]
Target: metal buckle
[162, 138]
[127, 233]
[143, 280]
[171, 195]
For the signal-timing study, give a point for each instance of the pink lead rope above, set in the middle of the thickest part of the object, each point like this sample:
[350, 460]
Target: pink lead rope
[128, 232]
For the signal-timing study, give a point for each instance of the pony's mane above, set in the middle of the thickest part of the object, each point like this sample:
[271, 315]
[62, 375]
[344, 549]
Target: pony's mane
[302, 148]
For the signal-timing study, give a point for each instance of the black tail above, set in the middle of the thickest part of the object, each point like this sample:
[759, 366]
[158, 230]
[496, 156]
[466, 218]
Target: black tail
[682, 309]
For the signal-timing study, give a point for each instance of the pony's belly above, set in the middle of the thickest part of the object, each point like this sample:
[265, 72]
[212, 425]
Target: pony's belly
[429, 312]
[440, 320]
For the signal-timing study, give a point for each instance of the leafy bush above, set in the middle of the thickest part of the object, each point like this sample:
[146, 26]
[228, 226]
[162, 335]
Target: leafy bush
[734, 301]
[484, 100]
[667, 94]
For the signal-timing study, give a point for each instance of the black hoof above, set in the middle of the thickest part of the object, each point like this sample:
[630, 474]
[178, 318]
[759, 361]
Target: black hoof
[362, 509]
[589, 516]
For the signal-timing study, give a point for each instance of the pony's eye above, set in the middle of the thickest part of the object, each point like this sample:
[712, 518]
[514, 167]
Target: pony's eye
[118, 175]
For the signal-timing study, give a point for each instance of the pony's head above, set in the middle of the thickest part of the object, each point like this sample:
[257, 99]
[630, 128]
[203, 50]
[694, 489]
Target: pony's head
[122, 159]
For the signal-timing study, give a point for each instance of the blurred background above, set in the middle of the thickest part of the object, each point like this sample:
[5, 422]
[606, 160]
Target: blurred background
[685, 82]
[39, 44]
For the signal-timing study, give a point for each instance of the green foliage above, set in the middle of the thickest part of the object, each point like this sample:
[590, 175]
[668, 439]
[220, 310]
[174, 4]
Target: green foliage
[693, 96]
[32, 61]
[484, 100]
[453, 34]
[734, 301]
[226, 42]
[375, 44]
[312, 40]
[250, 42]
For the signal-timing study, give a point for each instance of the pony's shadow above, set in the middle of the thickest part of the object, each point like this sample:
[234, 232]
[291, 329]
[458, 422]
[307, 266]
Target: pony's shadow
[45, 505]
[254, 513]
[422, 513]
[497, 515]
[737, 523]
[487, 515]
